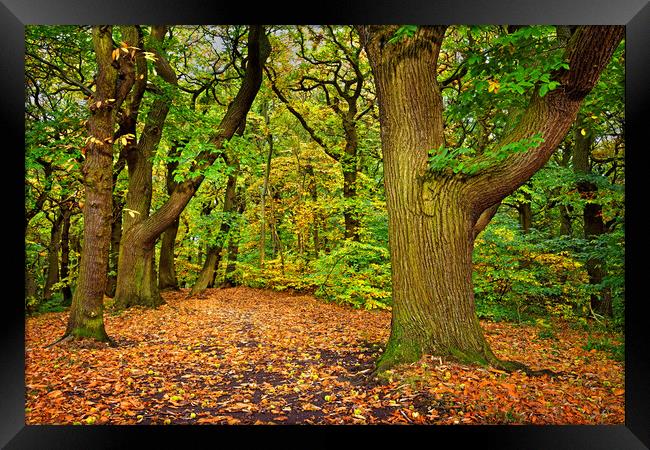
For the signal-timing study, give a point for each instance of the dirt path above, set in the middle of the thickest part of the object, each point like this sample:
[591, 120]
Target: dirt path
[249, 356]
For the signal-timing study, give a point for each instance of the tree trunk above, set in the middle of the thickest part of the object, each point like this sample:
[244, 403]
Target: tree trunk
[434, 217]
[525, 214]
[116, 236]
[137, 282]
[593, 225]
[53, 256]
[208, 273]
[313, 192]
[265, 187]
[136, 258]
[278, 247]
[233, 242]
[349, 163]
[430, 228]
[65, 255]
[167, 278]
[143, 233]
[86, 312]
[565, 220]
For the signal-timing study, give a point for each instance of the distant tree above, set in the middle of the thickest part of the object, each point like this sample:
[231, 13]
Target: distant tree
[336, 71]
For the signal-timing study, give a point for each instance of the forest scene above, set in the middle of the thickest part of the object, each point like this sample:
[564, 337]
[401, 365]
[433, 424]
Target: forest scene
[324, 224]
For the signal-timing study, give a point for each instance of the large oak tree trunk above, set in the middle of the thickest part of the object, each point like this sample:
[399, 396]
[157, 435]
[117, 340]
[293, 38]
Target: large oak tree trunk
[434, 217]
[136, 258]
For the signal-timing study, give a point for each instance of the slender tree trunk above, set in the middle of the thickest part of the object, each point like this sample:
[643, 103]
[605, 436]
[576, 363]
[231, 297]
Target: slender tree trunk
[278, 247]
[116, 236]
[566, 227]
[233, 241]
[525, 214]
[167, 278]
[349, 163]
[86, 311]
[53, 256]
[233, 253]
[434, 217]
[208, 273]
[313, 192]
[265, 188]
[593, 225]
[565, 220]
[65, 254]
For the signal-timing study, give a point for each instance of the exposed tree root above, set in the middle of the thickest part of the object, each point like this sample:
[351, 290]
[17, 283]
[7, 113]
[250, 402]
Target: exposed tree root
[64, 338]
[512, 366]
[486, 360]
[69, 337]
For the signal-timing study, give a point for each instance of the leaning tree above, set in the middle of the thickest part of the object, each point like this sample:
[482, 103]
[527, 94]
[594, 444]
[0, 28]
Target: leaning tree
[136, 280]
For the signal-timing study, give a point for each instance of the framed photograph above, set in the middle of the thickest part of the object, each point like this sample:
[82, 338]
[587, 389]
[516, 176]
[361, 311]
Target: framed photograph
[331, 176]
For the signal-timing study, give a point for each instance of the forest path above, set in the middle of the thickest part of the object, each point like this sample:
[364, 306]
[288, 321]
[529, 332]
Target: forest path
[252, 356]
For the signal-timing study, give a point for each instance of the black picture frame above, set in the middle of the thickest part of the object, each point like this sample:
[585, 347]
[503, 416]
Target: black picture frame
[635, 14]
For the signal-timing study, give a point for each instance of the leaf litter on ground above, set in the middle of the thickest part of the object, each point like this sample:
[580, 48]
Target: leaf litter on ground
[252, 356]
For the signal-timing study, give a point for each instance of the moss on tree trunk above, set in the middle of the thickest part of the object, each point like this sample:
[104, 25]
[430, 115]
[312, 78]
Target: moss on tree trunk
[141, 288]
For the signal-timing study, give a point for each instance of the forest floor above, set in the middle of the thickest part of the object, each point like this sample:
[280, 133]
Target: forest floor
[251, 356]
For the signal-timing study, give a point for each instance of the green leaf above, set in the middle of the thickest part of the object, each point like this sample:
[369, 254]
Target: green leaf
[543, 90]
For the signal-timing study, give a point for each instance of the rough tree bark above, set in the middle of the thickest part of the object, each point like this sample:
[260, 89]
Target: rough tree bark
[136, 273]
[434, 217]
[86, 312]
[136, 259]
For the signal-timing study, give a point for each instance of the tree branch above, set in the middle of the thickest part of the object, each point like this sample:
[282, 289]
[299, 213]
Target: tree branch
[551, 116]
